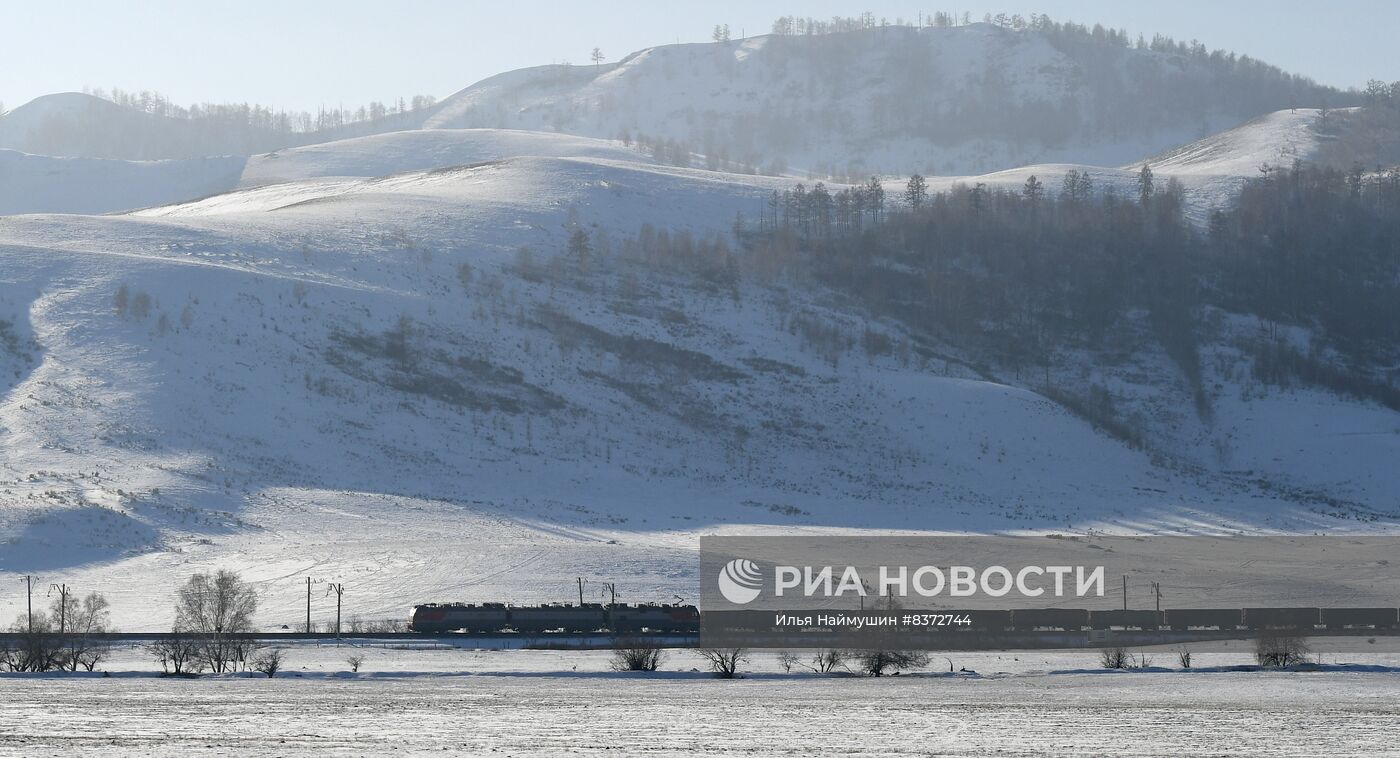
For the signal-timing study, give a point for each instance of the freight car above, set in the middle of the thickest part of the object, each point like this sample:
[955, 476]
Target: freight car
[480, 618]
[440, 618]
[1125, 619]
[1282, 618]
[1069, 619]
[1359, 618]
[436, 618]
[653, 618]
[987, 621]
[1181, 619]
[558, 617]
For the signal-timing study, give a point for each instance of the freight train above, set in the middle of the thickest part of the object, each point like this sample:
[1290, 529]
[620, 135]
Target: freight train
[622, 618]
[619, 618]
[1179, 620]
[1183, 619]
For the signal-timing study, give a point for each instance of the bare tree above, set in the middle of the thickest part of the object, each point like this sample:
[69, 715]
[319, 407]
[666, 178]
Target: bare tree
[787, 659]
[268, 662]
[122, 299]
[178, 654]
[637, 655]
[1183, 657]
[1113, 658]
[355, 661]
[82, 621]
[877, 662]
[725, 662]
[94, 652]
[580, 249]
[218, 611]
[33, 645]
[1281, 648]
[827, 661]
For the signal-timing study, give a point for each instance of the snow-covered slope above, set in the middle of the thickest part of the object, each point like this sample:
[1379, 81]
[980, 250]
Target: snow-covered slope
[399, 152]
[1274, 139]
[43, 184]
[1211, 170]
[366, 380]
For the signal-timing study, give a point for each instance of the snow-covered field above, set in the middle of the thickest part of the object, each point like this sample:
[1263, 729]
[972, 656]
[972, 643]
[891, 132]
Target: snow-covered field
[467, 702]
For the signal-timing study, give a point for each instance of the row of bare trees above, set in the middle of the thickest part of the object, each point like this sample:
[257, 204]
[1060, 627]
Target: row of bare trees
[66, 638]
[726, 662]
[645, 655]
[213, 631]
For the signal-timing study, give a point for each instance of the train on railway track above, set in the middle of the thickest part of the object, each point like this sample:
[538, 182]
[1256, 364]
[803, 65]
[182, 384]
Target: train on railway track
[617, 618]
[623, 618]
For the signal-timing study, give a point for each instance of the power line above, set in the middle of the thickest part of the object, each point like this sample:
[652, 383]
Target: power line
[339, 590]
[62, 605]
[29, 593]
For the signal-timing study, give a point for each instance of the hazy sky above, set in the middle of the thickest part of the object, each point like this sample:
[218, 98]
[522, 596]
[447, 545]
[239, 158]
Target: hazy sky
[300, 55]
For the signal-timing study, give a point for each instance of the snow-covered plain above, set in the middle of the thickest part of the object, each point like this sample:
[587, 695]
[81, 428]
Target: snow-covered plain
[469, 702]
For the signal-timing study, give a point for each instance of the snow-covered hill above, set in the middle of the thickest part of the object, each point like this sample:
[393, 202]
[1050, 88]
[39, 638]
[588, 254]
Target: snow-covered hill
[381, 361]
[885, 100]
[952, 100]
[398, 152]
[1211, 170]
[367, 380]
[42, 184]
[80, 125]
[32, 123]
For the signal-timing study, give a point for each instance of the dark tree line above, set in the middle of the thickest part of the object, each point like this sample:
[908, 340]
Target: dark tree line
[822, 213]
[1369, 136]
[1121, 85]
[151, 126]
[1020, 276]
[1318, 247]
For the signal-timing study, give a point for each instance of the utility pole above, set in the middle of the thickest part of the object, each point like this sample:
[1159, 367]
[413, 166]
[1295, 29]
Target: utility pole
[611, 589]
[338, 589]
[580, 592]
[1157, 591]
[29, 593]
[62, 605]
[308, 605]
[1125, 592]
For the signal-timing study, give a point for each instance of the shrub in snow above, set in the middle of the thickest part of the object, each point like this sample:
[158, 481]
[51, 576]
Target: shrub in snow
[636, 655]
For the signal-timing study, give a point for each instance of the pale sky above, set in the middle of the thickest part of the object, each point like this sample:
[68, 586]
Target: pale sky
[300, 55]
